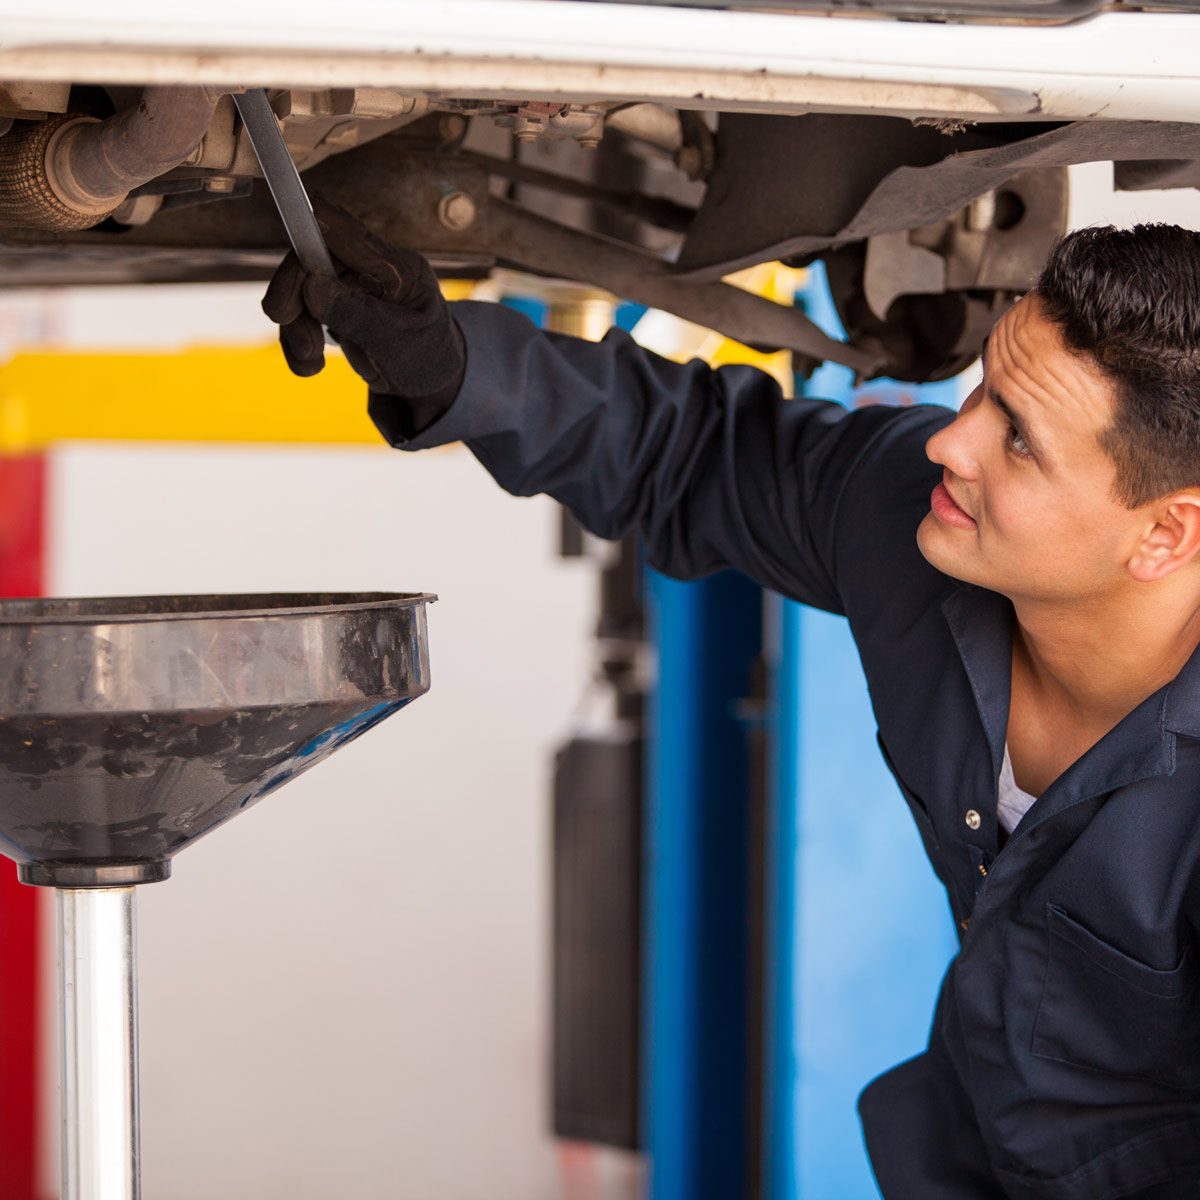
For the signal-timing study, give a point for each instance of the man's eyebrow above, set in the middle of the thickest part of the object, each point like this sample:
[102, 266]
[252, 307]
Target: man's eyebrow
[1018, 422]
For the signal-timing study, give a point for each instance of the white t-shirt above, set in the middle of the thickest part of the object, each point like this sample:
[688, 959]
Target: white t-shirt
[1013, 803]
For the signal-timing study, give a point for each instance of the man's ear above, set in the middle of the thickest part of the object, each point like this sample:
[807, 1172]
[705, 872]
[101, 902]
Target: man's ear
[1172, 541]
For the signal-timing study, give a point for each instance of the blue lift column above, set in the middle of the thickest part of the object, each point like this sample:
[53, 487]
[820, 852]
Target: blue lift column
[700, 997]
[859, 932]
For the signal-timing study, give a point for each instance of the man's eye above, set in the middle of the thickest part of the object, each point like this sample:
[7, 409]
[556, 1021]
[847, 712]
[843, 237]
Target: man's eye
[1016, 443]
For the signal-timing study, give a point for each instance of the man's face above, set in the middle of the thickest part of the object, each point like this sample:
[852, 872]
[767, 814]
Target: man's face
[1026, 503]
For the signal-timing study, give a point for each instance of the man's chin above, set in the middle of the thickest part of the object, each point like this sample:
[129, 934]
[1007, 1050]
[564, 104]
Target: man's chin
[937, 545]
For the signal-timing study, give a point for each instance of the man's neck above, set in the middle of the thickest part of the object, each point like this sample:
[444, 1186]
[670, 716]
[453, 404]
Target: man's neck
[1100, 659]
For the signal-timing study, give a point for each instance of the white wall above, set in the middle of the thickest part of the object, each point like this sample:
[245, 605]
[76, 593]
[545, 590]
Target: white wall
[1093, 201]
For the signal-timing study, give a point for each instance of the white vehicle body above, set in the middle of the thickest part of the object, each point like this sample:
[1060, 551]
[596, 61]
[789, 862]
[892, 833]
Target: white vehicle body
[923, 159]
[1117, 65]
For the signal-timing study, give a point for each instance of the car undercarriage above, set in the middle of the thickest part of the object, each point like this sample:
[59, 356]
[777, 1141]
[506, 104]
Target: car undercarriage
[928, 224]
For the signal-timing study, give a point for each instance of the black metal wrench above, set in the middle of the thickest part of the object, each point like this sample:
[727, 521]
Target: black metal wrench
[287, 188]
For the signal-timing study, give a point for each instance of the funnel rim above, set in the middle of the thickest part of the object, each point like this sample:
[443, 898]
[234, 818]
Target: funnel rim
[259, 605]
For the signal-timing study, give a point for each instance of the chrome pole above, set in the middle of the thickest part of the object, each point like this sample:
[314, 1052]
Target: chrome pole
[98, 1042]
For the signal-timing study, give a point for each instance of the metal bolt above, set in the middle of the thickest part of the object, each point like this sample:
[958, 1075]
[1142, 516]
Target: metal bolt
[528, 129]
[973, 819]
[689, 160]
[981, 212]
[451, 126]
[456, 211]
[219, 183]
[136, 210]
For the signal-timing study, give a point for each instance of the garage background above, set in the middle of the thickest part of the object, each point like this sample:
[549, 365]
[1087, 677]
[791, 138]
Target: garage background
[347, 992]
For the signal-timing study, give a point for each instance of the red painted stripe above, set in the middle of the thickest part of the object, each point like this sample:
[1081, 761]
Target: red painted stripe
[22, 522]
[22, 572]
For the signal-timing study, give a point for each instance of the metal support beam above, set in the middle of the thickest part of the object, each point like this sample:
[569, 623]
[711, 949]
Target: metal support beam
[539, 244]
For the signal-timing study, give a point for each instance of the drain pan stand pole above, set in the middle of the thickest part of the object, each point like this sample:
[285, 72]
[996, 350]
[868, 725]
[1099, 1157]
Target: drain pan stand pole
[98, 1043]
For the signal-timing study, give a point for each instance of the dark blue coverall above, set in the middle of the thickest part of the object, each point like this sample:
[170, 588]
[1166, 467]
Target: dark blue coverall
[1064, 1057]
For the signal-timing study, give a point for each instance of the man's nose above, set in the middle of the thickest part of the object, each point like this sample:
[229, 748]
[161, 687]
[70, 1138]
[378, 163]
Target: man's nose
[955, 445]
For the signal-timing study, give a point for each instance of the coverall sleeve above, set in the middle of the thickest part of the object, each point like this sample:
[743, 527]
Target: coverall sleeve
[714, 468]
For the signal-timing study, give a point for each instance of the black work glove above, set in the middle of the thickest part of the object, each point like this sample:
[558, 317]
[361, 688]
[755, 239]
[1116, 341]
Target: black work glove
[387, 312]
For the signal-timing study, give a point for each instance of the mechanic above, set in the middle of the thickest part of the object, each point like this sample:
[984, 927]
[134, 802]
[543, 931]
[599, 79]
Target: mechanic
[1023, 584]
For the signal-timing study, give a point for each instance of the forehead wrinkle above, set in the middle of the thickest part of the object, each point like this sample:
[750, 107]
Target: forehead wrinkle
[1053, 377]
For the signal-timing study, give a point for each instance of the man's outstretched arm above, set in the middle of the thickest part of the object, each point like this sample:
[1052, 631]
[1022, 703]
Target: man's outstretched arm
[713, 468]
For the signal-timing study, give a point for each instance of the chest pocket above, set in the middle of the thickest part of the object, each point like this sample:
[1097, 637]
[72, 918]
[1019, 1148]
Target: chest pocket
[1105, 1011]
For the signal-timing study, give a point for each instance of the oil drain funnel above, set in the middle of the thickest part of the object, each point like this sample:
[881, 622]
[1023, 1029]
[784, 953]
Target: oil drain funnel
[130, 727]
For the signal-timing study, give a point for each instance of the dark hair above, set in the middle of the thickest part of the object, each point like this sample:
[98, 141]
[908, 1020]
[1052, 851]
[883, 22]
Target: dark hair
[1130, 300]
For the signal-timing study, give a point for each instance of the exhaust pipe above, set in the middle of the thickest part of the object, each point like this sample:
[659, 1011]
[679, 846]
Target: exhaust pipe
[72, 172]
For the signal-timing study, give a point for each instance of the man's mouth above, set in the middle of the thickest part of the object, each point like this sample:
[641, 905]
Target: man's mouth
[947, 511]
